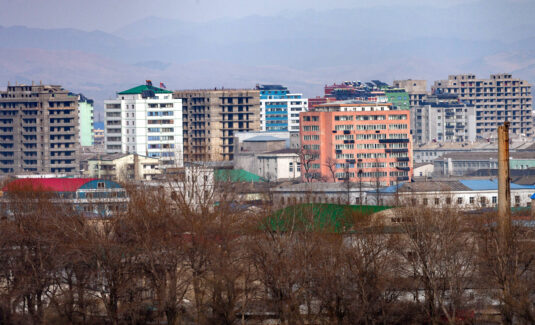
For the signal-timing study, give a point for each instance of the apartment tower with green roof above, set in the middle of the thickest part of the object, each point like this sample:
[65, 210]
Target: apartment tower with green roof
[145, 120]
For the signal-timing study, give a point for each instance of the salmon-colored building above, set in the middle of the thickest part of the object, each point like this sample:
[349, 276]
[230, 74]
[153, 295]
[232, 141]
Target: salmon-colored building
[357, 141]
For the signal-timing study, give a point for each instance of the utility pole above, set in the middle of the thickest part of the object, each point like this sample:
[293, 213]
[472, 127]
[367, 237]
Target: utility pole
[504, 186]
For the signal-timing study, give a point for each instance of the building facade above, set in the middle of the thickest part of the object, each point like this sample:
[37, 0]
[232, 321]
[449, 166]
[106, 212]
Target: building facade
[279, 109]
[398, 97]
[212, 118]
[416, 89]
[85, 121]
[443, 118]
[356, 141]
[38, 130]
[497, 99]
[147, 121]
[123, 167]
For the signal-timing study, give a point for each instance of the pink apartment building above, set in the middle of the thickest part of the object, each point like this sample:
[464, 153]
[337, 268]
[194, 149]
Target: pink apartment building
[357, 141]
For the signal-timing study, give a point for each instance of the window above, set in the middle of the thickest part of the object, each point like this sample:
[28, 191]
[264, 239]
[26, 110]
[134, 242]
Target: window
[448, 200]
[494, 200]
[100, 185]
[459, 200]
[425, 201]
[437, 201]
[472, 200]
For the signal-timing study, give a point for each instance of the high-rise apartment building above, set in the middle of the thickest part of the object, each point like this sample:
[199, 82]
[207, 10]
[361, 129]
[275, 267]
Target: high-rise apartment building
[147, 121]
[417, 90]
[356, 141]
[443, 118]
[279, 109]
[85, 120]
[498, 99]
[38, 130]
[211, 119]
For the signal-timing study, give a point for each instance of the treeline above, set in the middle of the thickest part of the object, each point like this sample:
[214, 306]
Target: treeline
[166, 260]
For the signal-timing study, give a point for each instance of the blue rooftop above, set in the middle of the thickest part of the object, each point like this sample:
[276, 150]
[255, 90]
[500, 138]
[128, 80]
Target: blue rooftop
[490, 184]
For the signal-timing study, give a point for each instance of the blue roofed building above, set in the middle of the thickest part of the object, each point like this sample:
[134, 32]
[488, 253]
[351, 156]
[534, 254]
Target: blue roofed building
[279, 109]
[465, 194]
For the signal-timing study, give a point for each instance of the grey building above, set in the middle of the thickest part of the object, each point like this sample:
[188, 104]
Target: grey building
[464, 163]
[38, 130]
[417, 90]
[443, 118]
[497, 99]
[211, 118]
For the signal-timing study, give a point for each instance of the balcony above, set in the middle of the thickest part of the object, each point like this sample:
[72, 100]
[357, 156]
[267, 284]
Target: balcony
[402, 159]
[393, 140]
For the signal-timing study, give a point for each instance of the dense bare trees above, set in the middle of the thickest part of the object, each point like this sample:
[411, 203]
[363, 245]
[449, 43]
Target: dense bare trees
[189, 253]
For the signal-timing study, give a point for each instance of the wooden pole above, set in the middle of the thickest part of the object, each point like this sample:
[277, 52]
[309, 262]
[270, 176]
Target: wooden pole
[504, 186]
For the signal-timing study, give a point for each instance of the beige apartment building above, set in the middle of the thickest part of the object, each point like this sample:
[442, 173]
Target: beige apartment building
[497, 99]
[212, 117]
[38, 130]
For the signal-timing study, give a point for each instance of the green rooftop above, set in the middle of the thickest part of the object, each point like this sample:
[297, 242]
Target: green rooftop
[236, 175]
[140, 89]
[335, 218]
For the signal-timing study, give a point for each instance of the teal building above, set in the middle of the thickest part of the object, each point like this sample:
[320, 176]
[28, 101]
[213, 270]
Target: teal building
[85, 120]
[398, 97]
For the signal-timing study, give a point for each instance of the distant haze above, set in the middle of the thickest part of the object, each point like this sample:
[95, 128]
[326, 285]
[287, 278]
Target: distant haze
[100, 47]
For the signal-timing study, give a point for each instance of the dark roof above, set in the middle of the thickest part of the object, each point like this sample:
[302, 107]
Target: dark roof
[263, 138]
[47, 184]
[141, 88]
[271, 87]
[287, 150]
[474, 155]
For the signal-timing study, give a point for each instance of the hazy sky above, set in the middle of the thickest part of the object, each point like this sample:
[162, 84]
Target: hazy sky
[108, 15]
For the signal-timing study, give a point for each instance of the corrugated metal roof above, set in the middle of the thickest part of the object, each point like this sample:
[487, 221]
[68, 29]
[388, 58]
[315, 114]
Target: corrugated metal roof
[47, 184]
[490, 184]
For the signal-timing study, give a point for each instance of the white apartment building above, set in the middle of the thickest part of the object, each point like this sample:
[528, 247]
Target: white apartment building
[279, 110]
[145, 120]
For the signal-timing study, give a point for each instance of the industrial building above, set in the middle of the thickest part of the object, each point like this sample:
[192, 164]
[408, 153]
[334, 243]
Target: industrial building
[356, 141]
[38, 130]
[211, 119]
[497, 99]
[147, 121]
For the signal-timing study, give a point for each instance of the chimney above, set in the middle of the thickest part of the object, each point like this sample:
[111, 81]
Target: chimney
[136, 167]
[504, 186]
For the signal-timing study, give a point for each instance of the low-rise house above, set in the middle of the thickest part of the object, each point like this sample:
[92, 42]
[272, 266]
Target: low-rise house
[123, 167]
[464, 194]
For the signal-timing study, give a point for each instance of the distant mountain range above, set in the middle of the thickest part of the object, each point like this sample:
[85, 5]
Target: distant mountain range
[302, 50]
